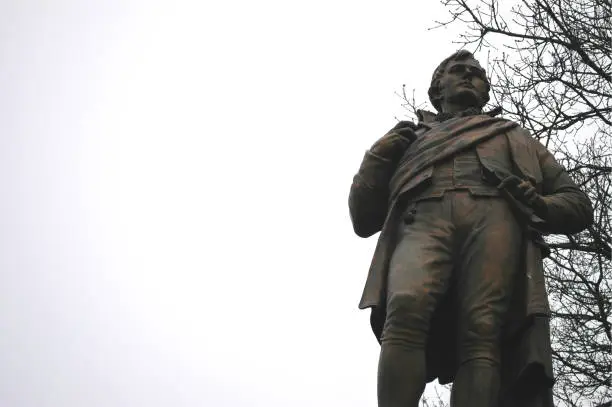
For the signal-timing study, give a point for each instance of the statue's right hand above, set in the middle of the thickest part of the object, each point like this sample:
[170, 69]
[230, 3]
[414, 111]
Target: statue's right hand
[393, 144]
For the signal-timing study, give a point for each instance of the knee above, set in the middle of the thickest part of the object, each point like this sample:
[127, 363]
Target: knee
[408, 318]
[479, 338]
[482, 328]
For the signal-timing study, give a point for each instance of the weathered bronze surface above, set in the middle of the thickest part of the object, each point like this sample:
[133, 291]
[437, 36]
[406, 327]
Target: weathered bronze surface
[456, 284]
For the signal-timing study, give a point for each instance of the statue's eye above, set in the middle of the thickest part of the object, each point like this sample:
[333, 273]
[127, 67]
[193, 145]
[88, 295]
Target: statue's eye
[479, 73]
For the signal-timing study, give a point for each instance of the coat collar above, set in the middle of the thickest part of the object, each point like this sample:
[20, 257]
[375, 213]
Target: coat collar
[428, 118]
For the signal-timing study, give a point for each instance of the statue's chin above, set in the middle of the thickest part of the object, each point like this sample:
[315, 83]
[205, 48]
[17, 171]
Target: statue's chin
[467, 98]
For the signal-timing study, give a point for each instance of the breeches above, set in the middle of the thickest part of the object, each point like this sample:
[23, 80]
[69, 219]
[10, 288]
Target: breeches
[470, 243]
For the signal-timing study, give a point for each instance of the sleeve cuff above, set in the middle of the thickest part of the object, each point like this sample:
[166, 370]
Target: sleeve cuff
[375, 171]
[376, 157]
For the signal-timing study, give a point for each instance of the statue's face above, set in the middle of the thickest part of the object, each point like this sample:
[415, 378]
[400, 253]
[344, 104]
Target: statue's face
[464, 84]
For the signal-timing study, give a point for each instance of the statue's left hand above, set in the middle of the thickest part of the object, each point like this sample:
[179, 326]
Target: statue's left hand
[524, 192]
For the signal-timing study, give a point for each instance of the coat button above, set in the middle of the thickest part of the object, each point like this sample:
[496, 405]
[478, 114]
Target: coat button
[409, 217]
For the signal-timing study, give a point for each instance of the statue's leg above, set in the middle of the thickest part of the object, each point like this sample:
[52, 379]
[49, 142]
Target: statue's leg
[419, 275]
[489, 246]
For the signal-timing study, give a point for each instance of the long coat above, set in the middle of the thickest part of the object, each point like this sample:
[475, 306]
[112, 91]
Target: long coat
[526, 354]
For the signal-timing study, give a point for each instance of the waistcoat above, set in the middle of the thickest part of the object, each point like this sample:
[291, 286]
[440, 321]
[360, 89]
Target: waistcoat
[462, 172]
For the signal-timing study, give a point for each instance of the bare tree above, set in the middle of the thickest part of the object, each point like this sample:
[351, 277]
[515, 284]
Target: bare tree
[550, 63]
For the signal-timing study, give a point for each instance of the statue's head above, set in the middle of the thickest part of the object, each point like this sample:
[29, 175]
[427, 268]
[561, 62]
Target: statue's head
[459, 81]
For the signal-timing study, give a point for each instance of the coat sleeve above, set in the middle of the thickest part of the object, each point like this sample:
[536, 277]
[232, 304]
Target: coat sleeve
[369, 194]
[568, 209]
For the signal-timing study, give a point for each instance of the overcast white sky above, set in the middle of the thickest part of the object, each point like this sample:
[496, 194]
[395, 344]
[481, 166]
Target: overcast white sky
[175, 176]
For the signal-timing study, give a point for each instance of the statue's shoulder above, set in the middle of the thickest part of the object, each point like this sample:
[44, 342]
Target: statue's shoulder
[517, 130]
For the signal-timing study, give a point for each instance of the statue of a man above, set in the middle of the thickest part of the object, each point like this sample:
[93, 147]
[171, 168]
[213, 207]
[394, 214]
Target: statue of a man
[456, 283]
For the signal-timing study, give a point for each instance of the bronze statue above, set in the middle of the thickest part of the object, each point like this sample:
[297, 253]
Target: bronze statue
[456, 284]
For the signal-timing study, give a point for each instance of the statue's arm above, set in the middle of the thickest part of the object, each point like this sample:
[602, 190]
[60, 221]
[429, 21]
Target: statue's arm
[568, 209]
[369, 194]
[370, 189]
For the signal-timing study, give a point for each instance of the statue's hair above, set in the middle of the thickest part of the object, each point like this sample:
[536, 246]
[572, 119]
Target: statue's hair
[435, 94]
